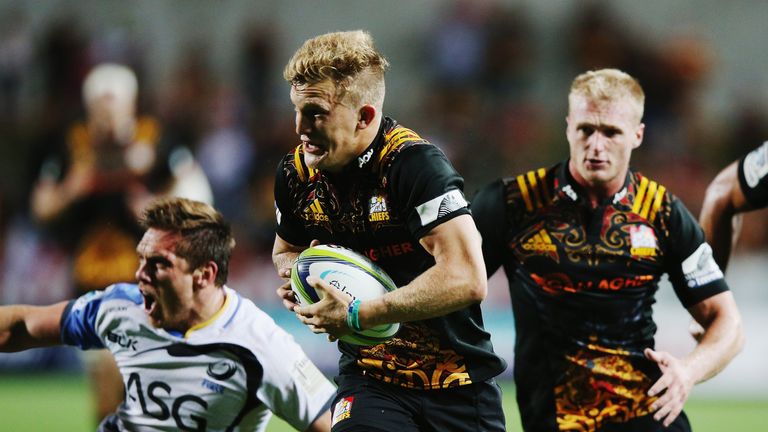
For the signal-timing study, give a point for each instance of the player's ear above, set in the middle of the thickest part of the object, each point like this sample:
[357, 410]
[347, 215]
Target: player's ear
[365, 116]
[205, 275]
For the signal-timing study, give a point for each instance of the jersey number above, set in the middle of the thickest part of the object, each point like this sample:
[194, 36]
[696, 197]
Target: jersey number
[153, 389]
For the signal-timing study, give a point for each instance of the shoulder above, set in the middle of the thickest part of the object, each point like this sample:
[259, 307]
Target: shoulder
[399, 141]
[652, 200]
[247, 323]
[531, 190]
[753, 176]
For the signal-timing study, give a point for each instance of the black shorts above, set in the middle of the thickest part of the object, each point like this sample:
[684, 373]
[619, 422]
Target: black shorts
[365, 404]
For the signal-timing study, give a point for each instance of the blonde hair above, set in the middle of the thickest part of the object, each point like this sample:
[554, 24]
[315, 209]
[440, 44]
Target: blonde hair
[608, 85]
[205, 235]
[110, 78]
[349, 59]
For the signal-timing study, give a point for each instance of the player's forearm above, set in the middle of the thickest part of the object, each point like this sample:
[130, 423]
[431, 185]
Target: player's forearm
[284, 253]
[722, 340]
[723, 201]
[717, 221]
[23, 327]
[14, 335]
[439, 291]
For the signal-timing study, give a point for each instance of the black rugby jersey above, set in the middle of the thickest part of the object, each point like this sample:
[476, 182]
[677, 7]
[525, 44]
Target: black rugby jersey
[582, 283]
[753, 176]
[395, 192]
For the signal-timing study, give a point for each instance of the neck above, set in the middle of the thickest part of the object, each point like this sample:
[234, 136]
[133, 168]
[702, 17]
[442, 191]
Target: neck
[368, 134]
[208, 303]
[597, 192]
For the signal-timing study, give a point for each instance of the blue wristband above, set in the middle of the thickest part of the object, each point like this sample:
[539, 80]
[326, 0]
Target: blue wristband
[353, 320]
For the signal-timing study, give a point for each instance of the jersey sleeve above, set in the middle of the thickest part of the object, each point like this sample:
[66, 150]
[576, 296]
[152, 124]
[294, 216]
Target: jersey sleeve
[488, 210]
[426, 188]
[289, 227]
[693, 272]
[78, 322]
[753, 176]
[294, 389]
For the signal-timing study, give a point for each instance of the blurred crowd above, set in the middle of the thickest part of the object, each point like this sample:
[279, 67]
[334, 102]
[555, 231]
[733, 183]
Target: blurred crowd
[480, 60]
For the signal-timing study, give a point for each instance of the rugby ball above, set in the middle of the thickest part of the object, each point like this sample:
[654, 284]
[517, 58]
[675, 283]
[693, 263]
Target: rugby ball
[349, 272]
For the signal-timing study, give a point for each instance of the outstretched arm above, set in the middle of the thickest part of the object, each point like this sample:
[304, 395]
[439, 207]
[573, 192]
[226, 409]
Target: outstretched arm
[723, 338]
[719, 217]
[23, 327]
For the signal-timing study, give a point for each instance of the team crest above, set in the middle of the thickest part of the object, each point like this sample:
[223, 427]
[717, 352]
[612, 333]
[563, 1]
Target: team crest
[342, 410]
[377, 209]
[642, 240]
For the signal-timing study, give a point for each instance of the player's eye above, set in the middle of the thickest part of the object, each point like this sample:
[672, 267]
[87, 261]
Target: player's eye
[611, 132]
[586, 130]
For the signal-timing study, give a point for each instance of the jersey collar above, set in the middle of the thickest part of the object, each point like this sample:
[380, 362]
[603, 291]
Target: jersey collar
[221, 318]
[569, 189]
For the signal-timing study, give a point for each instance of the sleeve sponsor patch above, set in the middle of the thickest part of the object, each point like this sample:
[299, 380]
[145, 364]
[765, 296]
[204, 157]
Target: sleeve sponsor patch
[756, 165]
[441, 206]
[700, 267]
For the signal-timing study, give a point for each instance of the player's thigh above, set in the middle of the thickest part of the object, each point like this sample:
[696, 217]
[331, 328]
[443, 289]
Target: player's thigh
[470, 408]
[365, 405]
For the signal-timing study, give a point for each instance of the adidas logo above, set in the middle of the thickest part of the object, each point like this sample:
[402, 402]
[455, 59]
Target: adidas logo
[540, 242]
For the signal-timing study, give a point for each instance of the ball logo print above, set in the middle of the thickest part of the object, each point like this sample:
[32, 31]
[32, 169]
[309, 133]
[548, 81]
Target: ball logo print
[352, 274]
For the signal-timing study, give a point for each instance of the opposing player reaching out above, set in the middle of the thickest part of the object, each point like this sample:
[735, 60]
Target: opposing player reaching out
[194, 354]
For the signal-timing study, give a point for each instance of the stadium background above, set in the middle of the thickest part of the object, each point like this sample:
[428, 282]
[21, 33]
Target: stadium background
[485, 80]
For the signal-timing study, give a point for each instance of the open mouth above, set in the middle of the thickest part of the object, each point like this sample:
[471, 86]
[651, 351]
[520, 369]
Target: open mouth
[149, 302]
[312, 148]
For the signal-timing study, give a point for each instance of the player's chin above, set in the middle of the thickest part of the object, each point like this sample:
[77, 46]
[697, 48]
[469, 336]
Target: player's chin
[316, 160]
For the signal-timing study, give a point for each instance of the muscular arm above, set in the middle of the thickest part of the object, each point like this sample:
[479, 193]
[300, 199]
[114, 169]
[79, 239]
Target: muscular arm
[723, 201]
[23, 327]
[723, 338]
[457, 279]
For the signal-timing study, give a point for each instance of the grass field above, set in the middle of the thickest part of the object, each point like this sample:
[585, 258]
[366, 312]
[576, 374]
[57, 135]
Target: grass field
[31, 403]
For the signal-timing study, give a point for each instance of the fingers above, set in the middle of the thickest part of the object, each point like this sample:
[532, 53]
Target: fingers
[660, 385]
[651, 355]
[284, 273]
[314, 243]
[328, 292]
[667, 407]
[287, 295]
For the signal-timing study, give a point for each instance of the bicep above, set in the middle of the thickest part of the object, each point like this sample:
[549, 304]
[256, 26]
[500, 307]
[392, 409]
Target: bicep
[455, 241]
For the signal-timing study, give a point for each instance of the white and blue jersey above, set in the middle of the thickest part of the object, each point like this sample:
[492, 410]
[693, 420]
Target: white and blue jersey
[229, 373]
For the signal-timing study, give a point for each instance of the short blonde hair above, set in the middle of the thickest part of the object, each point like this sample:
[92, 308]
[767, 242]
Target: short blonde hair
[608, 85]
[349, 58]
[110, 78]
